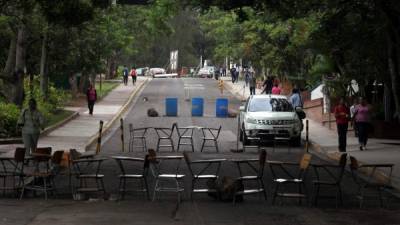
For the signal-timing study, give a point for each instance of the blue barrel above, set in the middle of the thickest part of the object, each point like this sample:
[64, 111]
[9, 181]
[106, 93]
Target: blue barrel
[171, 106]
[197, 106]
[221, 107]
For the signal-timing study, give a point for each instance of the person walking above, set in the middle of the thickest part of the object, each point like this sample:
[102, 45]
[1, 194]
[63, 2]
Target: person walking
[268, 84]
[361, 118]
[233, 73]
[352, 112]
[295, 99]
[276, 90]
[237, 72]
[342, 115]
[125, 73]
[247, 77]
[31, 121]
[252, 84]
[133, 75]
[91, 95]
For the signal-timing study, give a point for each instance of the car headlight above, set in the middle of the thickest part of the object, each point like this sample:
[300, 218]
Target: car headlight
[251, 120]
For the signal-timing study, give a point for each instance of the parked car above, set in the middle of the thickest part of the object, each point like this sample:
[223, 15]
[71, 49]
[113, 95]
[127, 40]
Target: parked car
[268, 116]
[142, 71]
[206, 72]
[156, 71]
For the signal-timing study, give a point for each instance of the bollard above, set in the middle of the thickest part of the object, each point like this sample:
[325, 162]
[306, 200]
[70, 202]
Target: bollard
[122, 134]
[307, 145]
[99, 137]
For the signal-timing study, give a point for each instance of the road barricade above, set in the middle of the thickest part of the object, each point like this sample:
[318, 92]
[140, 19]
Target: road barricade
[171, 106]
[221, 107]
[197, 106]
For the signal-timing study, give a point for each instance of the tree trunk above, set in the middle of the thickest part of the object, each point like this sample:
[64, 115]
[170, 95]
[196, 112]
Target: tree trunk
[111, 67]
[44, 78]
[74, 85]
[7, 76]
[387, 100]
[394, 73]
[20, 65]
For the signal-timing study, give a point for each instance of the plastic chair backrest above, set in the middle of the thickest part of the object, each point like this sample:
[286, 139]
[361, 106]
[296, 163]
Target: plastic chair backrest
[19, 155]
[44, 151]
[57, 157]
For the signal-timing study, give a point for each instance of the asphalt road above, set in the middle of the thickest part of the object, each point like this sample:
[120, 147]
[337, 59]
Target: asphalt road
[135, 209]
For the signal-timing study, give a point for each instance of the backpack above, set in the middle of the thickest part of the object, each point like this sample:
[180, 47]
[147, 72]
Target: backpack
[92, 95]
[133, 73]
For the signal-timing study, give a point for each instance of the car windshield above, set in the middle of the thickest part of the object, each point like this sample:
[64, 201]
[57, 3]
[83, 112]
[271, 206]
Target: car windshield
[270, 105]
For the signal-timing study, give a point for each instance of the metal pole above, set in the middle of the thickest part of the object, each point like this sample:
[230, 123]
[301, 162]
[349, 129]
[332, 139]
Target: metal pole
[99, 137]
[307, 144]
[122, 134]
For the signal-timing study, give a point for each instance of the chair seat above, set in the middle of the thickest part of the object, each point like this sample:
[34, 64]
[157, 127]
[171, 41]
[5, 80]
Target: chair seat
[206, 176]
[177, 176]
[281, 180]
[291, 195]
[205, 190]
[324, 182]
[248, 178]
[186, 136]
[130, 176]
[208, 138]
[91, 176]
[249, 191]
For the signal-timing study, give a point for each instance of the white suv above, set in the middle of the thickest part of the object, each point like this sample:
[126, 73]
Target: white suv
[269, 116]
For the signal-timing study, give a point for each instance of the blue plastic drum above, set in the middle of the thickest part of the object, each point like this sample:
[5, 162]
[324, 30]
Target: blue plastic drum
[197, 106]
[171, 106]
[221, 106]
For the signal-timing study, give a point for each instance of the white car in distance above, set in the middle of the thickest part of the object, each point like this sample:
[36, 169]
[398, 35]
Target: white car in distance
[264, 117]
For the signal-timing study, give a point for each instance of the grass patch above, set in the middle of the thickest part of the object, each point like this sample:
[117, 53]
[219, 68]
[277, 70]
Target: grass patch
[106, 87]
[59, 116]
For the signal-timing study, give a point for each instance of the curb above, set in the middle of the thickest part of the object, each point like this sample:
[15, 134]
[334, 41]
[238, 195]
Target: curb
[123, 109]
[59, 124]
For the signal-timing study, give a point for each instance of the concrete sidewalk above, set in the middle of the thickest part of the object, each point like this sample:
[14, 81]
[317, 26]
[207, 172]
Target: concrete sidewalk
[81, 131]
[324, 141]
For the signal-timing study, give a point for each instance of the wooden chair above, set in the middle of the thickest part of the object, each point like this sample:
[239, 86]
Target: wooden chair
[140, 174]
[289, 178]
[12, 169]
[257, 176]
[47, 167]
[333, 175]
[367, 176]
[203, 170]
[210, 135]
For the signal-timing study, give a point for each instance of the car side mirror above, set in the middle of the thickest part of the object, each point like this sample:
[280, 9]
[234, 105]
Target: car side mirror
[242, 108]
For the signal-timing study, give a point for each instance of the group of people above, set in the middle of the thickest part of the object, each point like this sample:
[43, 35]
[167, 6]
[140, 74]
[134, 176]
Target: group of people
[359, 116]
[126, 73]
[271, 86]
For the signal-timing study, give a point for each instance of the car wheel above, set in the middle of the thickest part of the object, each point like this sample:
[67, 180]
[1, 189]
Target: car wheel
[296, 141]
[243, 137]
